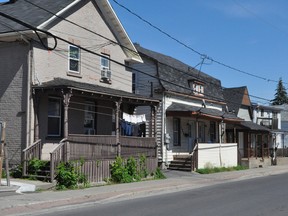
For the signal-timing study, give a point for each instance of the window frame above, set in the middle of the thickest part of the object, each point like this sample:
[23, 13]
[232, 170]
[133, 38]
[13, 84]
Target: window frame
[59, 117]
[87, 112]
[176, 132]
[74, 59]
[103, 67]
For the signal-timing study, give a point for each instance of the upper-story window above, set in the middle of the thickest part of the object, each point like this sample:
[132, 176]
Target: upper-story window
[105, 69]
[74, 59]
[134, 83]
[197, 87]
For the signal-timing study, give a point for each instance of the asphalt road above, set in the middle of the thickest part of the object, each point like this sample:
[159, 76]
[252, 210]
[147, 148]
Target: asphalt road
[259, 196]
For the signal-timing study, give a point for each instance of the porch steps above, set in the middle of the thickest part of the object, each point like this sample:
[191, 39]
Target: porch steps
[46, 149]
[181, 163]
[43, 174]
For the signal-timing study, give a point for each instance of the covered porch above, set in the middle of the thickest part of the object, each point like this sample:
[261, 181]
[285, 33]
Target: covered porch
[198, 134]
[75, 121]
[255, 143]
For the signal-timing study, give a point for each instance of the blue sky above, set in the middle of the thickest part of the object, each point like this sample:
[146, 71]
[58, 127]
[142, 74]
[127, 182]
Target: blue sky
[249, 35]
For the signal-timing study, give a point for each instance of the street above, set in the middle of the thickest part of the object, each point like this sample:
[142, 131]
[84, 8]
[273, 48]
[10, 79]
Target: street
[258, 196]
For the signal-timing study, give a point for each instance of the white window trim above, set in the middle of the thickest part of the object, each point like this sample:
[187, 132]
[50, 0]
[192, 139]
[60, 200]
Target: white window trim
[53, 116]
[75, 59]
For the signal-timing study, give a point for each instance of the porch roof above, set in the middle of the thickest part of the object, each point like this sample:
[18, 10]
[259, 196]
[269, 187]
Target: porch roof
[176, 109]
[64, 84]
[253, 126]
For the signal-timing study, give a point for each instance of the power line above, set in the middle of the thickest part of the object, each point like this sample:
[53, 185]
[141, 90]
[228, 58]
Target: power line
[115, 42]
[89, 51]
[193, 50]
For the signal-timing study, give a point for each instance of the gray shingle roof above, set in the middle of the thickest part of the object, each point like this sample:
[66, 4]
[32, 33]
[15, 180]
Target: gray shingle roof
[29, 13]
[176, 107]
[253, 126]
[70, 84]
[175, 71]
[234, 97]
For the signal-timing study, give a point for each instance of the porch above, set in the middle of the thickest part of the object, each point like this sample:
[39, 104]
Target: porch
[74, 121]
[96, 153]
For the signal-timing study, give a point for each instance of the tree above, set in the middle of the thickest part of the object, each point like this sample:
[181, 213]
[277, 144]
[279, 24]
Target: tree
[280, 95]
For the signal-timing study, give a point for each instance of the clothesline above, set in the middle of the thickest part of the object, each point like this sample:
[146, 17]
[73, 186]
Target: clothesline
[135, 119]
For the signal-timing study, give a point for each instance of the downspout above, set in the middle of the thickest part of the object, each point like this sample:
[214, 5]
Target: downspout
[28, 108]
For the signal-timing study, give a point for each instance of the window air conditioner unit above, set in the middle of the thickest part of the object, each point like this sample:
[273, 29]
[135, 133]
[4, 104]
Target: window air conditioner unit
[105, 75]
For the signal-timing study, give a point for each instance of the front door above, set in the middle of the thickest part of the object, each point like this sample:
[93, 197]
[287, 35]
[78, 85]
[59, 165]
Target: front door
[191, 135]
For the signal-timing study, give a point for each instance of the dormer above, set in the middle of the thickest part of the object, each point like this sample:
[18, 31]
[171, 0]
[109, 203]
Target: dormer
[197, 87]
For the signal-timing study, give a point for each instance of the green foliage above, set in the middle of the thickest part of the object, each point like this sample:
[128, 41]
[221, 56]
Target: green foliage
[68, 176]
[3, 174]
[36, 165]
[280, 95]
[129, 171]
[209, 170]
[16, 172]
[142, 167]
[159, 174]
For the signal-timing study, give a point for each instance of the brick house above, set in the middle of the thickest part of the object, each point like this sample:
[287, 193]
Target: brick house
[77, 89]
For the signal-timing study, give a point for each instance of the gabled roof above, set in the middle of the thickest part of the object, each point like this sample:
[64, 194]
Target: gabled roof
[173, 71]
[236, 97]
[32, 13]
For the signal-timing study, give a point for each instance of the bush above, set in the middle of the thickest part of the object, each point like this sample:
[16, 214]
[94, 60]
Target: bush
[159, 174]
[130, 171]
[16, 171]
[68, 177]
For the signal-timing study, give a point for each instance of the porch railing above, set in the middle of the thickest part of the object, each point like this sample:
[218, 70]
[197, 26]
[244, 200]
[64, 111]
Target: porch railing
[136, 146]
[29, 153]
[105, 147]
[58, 155]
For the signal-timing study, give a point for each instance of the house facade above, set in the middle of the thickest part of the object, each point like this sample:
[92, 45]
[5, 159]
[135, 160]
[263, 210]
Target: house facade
[259, 134]
[191, 116]
[64, 78]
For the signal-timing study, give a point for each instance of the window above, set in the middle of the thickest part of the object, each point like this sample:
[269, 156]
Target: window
[89, 118]
[212, 131]
[54, 116]
[134, 83]
[74, 59]
[105, 69]
[176, 132]
[262, 112]
[197, 87]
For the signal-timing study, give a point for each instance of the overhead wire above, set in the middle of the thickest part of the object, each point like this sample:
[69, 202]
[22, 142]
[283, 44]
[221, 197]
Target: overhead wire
[192, 49]
[89, 51]
[203, 56]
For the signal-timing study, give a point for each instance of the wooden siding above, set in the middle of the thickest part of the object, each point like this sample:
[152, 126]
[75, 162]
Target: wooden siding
[99, 170]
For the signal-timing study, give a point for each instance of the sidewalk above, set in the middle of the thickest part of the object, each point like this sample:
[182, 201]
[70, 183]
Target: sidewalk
[39, 201]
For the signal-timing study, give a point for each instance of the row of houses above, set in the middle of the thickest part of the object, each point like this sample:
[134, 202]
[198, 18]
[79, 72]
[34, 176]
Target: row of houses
[74, 85]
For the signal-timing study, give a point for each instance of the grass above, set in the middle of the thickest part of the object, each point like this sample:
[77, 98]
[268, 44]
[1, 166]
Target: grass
[220, 169]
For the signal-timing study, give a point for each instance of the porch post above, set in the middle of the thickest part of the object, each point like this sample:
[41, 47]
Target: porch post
[262, 145]
[117, 117]
[66, 100]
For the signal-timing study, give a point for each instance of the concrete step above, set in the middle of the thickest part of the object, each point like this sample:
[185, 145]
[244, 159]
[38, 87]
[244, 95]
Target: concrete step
[47, 148]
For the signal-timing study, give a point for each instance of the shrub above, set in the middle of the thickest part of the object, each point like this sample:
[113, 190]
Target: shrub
[16, 171]
[125, 172]
[159, 174]
[68, 177]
